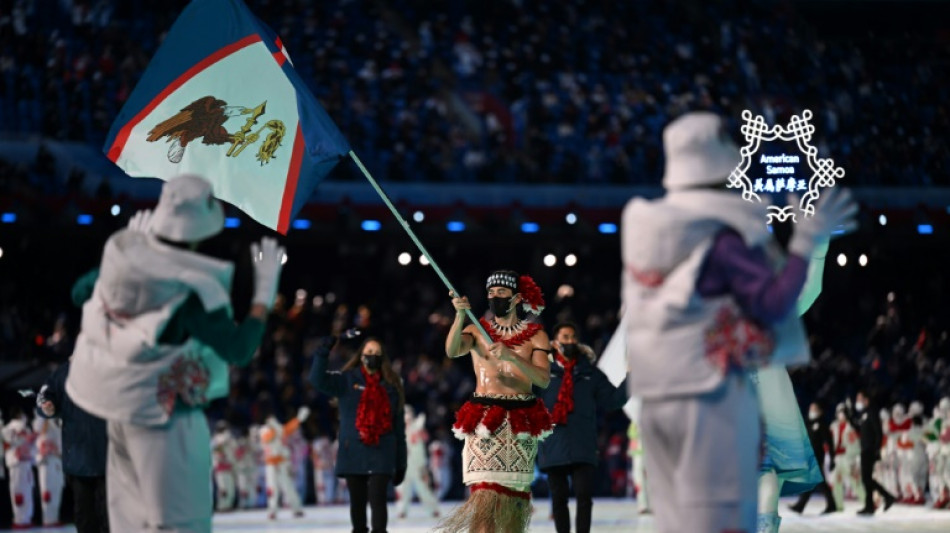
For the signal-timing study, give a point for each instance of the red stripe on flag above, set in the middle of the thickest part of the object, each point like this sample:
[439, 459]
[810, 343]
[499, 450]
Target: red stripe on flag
[123, 137]
[290, 188]
[279, 54]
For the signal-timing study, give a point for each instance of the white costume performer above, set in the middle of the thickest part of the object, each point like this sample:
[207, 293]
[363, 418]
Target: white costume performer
[224, 464]
[885, 469]
[139, 365]
[324, 478]
[937, 435]
[49, 460]
[912, 457]
[439, 468]
[278, 480]
[847, 472]
[899, 432]
[691, 351]
[245, 471]
[691, 346]
[18, 442]
[299, 449]
[417, 479]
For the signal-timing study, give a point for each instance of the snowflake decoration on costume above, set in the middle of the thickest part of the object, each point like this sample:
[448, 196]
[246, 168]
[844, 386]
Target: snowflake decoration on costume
[800, 130]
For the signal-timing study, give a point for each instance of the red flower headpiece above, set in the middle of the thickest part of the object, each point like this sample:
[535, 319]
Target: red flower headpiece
[532, 300]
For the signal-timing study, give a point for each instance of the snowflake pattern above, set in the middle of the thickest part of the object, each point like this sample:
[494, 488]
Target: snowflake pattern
[800, 130]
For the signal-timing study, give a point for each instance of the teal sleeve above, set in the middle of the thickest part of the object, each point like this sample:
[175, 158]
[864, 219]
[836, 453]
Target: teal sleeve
[82, 289]
[234, 343]
[812, 288]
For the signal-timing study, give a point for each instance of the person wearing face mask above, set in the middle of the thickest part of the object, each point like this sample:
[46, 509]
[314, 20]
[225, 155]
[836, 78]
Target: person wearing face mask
[157, 335]
[871, 434]
[711, 297]
[577, 390]
[820, 436]
[504, 421]
[846, 458]
[372, 440]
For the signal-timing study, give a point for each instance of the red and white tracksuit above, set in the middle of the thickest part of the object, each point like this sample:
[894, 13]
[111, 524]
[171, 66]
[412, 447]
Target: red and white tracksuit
[223, 461]
[49, 445]
[324, 478]
[245, 473]
[18, 446]
[439, 468]
[847, 471]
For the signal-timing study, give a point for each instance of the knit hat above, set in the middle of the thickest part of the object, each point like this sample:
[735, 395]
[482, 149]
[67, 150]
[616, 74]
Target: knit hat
[699, 151]
[187, 210]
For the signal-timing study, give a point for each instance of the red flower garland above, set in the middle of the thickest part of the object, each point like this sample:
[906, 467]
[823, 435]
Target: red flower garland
[529, 331]
[565, 396]
[374, 416]
[532, 420]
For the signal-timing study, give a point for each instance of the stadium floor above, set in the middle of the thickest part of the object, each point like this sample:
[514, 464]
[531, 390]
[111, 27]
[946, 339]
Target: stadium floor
[610, 515]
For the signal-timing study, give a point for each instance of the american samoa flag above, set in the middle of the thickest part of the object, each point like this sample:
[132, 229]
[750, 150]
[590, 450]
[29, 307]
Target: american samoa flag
[221, 99]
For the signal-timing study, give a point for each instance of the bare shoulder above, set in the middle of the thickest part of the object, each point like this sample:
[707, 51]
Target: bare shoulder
[541, 340]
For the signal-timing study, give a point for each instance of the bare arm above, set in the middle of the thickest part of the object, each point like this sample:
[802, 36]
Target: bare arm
[459, 342]
[536, 368]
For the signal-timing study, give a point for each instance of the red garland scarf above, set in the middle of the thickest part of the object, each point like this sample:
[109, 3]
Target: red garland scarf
[374, 416]
[565, 396]
[529, 331]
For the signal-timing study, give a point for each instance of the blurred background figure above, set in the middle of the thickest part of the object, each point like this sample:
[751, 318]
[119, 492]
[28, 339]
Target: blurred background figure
[49, 466]
[417, 468]
[224, 465]
[846, 473]
[279, 481]
[18, 441]
[440, 466]
[245, 469]
[324, 478]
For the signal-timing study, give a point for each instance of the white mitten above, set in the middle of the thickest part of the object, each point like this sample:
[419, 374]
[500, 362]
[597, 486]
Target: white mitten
[835, 211]
[267, 258]
[303, 413]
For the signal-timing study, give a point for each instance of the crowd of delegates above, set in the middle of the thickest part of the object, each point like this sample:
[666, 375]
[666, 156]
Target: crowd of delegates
[531, 91]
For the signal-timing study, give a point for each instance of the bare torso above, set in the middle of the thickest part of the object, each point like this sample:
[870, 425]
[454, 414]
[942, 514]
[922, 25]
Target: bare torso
[502, 377]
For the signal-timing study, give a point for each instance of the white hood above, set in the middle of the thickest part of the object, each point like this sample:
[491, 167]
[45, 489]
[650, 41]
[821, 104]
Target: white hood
[665, 231]
[140, 274]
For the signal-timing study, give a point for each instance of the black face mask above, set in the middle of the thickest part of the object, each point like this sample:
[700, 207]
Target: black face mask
[499, 306]
[373, 362]
[571, 351]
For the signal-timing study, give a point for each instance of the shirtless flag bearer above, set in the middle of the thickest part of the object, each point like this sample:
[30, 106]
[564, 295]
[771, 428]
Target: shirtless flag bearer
[503, 422]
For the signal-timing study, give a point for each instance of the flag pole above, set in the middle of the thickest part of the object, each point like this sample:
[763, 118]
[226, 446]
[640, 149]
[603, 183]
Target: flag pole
[412, 235]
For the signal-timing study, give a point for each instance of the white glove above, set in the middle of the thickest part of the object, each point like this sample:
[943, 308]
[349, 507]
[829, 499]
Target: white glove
[141, 221]
[303, 413]
[267, 258]
[834, 211]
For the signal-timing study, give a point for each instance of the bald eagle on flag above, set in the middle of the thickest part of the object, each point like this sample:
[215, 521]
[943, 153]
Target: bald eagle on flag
[221, 98]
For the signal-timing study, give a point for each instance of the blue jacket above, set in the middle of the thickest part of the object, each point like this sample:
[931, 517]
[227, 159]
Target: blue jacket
[354, 457]
[576, 441]
[84, 435]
